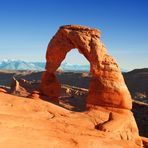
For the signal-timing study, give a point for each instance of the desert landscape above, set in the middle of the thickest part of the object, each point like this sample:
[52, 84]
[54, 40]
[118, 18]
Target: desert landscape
[55, 108]
[73, 74]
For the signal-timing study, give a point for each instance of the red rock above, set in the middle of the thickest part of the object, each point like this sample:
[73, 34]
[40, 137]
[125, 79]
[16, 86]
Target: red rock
[40, 124]
[34, 95]
[50, 85]
[14, 85]
[23, 87]
[17, 88]
[2, 90]
[145, 141]
[107, 86]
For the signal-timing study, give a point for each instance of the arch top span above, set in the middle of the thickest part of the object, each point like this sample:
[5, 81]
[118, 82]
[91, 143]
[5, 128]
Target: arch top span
[107, 86]
[85, 39]
[84, 29]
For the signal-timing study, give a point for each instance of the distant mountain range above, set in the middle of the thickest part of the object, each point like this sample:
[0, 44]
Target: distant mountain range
[21, 65]
[40, 66]
[69, 67]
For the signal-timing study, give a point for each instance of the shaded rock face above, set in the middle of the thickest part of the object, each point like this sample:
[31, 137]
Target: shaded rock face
[137, 82]
[107, 86]
[140, 111]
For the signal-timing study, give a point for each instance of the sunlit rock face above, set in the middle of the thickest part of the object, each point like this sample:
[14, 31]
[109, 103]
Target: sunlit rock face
[107, 86]
[107, 122]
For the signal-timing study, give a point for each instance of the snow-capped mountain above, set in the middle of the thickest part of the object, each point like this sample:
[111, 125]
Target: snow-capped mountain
[40, 66]
[23, 65]
[70, 67]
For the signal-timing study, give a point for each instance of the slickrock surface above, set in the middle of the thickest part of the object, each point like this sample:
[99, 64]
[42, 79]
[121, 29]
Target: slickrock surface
[29, 123]
[107, 86]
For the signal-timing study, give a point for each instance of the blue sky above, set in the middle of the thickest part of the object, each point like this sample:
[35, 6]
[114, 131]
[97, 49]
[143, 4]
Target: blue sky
[26, 27]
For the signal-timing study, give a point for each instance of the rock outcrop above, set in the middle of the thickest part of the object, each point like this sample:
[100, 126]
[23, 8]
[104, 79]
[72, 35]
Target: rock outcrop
[2, 90]
[108, 101]
[15, 87]
[39, 124]
[107, 86]
[137, 82]
[22, 87]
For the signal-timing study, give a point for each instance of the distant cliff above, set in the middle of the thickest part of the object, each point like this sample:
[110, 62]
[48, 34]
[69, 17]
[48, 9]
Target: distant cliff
[137, 82]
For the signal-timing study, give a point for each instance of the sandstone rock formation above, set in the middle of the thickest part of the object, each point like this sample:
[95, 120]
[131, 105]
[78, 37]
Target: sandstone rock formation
[34, 95]
[16, 88]
[107, 86]
[2, 90]
[30, 123]
[22, 87]
[36, 123]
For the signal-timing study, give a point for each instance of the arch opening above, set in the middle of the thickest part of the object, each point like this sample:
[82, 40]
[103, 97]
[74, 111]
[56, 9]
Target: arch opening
[74, 77]
[75, 61]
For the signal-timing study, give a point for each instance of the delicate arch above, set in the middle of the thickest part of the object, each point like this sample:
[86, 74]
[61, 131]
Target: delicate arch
[107, 86]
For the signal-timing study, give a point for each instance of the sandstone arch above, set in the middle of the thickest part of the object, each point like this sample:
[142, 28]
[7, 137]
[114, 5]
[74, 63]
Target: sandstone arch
[107, 86]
